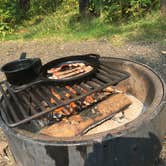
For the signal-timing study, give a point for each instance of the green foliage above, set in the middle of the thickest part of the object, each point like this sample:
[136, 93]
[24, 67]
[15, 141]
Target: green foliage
[115, 10]
[8, 15]
[39, 7]
[11, 15]
[67, 25]
[54, 16]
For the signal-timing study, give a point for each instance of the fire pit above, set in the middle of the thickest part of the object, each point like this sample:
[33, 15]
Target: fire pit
[111, 140]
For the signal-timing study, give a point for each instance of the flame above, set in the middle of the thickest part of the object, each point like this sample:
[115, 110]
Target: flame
[70, 89]
[72, 107]
[89, 99]
[52, 101]
[55, 94]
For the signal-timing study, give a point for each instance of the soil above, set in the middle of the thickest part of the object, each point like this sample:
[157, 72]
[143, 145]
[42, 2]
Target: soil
[152, 54]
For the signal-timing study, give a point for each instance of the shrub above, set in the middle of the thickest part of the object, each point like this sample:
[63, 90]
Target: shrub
[8, 15]
[110, 10]
[114, 10]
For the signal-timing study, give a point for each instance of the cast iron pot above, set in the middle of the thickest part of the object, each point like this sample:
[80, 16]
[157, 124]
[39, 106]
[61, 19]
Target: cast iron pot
[23, 70]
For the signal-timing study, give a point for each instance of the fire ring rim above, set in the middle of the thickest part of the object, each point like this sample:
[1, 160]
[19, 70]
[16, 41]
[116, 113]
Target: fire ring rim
[102, 136]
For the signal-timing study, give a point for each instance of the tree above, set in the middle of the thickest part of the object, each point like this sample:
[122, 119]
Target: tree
[83, 7]
[163, 6]
[24, 5]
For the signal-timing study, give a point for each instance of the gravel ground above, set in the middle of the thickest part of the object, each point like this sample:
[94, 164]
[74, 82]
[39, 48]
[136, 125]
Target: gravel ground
[152, 54]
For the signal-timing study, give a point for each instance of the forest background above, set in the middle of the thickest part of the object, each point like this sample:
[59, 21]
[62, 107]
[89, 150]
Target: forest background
[115, 20]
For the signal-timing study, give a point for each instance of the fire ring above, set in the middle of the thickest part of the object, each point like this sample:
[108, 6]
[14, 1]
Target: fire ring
[135, 143]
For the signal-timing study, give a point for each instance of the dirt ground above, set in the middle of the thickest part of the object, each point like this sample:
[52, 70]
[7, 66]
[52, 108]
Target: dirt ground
[152, 54]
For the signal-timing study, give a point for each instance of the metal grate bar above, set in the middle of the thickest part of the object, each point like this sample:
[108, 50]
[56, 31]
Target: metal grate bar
[44, 98]
[9, 105]
[72, 95]
[115, 71]
[104, 78]
[113, 74]
[61, 92]
[44, 112]
[106, 74]
[5, 115]
[36, 101]
[28, 103]
[77, 89]
[93, 84]
[99, 82]
[16, 100]
[46, 89]
[84, 88]
[87, 86]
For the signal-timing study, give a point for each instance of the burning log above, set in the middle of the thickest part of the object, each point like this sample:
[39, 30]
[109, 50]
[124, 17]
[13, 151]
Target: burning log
[78, 124]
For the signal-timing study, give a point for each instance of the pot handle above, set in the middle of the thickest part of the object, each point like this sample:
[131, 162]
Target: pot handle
[96, 56]
[23, 55]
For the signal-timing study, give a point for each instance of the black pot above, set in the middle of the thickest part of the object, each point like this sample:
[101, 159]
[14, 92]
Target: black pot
[23, 70]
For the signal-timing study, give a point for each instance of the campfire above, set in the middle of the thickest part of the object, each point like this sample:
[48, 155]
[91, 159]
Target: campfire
[84, 109]
[80, 124]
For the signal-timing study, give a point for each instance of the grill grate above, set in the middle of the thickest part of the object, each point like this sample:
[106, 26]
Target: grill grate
[32, 97]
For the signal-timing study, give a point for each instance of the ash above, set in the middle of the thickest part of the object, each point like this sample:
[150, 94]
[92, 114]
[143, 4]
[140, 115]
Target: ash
[122, 118]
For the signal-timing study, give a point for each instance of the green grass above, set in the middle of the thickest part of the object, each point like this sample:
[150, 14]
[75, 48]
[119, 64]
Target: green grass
[66, 26]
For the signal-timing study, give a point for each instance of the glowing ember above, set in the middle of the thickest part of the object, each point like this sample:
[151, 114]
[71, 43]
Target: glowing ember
[75, 107]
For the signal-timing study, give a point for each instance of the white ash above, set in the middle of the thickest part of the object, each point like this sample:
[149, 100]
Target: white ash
[122, 118]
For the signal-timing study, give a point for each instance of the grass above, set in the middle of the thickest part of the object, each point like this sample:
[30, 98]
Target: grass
[66, 26]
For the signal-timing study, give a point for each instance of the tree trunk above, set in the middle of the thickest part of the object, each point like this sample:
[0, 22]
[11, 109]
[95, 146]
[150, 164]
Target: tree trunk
[24, 5]
[83, 7]
[163, 6]
[121, 3]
